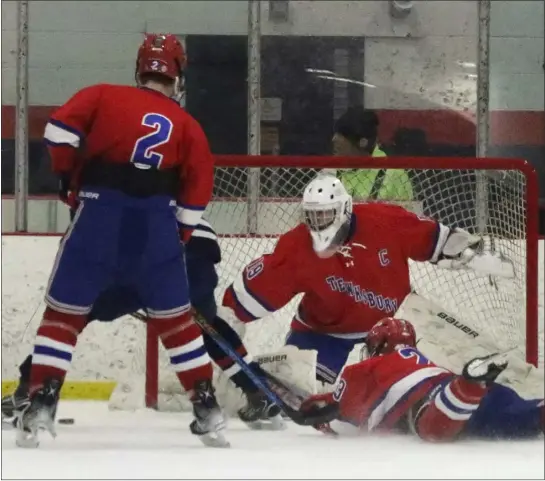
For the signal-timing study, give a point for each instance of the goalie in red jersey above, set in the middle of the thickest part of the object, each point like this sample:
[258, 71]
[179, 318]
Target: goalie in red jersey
[398, 389]
[352, 266]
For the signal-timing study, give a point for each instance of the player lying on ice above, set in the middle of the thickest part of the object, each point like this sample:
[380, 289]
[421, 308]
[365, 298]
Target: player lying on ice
[397, 389]
[142, 173]
[351, 263]
[202, 254]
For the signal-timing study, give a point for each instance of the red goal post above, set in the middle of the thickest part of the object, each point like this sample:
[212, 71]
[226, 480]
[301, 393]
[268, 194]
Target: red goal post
[256, 199]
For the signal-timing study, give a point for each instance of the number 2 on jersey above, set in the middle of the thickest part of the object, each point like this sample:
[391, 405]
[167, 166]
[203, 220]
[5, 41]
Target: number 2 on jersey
[411, 353]
[143, 155]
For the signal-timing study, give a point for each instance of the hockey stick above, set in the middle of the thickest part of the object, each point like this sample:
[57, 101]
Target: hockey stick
[276, 391]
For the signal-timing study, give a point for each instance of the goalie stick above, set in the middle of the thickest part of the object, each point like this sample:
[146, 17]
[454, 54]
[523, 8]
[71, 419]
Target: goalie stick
[275, 390]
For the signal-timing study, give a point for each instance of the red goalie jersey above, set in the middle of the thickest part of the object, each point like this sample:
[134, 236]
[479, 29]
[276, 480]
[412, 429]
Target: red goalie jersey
[345, 294]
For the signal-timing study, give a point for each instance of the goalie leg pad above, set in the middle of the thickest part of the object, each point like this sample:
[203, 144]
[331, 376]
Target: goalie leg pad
[294, 367]
[332, 352]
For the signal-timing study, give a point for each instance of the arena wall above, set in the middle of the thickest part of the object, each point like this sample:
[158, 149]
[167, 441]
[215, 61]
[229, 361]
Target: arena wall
[429, 58]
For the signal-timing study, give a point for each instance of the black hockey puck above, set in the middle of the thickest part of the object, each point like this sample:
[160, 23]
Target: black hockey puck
[66, 421]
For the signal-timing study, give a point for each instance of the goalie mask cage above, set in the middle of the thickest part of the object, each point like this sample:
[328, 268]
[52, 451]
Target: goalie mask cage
[257, 198]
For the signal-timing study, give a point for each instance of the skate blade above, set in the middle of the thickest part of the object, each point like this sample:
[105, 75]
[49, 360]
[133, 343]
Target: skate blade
[215, 440]
[275, 423]
[26, 439]
[29, 438]
[44, 422]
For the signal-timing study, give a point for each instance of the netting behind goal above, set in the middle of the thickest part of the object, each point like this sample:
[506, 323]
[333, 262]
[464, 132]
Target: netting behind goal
[256, 199]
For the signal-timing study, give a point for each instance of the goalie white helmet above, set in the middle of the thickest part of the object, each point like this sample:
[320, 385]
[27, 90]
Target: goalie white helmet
[327, 210]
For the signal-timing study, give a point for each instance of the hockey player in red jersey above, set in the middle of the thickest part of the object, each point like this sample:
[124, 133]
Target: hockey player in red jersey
[398, 389]
[350, 263]
[139, 171]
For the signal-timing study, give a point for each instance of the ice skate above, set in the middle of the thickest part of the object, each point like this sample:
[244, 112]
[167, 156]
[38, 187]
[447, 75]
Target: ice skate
[485, 369]
[261, 414]
[38, 414]
[12, 403]
[209, 424]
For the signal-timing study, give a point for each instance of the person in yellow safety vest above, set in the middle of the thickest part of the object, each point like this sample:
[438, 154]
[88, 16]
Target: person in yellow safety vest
[356, 133]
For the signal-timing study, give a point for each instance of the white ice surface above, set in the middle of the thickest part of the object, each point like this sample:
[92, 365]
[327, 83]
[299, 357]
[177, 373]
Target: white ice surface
[150, 445]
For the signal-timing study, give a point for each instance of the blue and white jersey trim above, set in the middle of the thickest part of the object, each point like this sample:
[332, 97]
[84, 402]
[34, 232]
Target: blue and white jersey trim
[205, 230]
[256, 308]
[442, 235]
[57, 133]
[189, 216]
[398, 391]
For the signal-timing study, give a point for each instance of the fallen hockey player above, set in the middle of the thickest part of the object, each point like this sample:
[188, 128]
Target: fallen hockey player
[398, 389]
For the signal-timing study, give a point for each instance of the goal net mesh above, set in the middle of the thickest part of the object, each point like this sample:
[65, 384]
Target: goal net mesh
[252, 206]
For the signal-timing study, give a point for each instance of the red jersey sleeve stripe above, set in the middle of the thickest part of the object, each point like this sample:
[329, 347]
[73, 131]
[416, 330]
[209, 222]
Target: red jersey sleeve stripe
[398, 392]
[259, 299]
[247, 299]
[241, 312]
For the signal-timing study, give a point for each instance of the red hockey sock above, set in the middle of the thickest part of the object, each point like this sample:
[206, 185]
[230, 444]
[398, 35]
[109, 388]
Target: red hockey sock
[54, 345]
[446, 414]
[184, 343]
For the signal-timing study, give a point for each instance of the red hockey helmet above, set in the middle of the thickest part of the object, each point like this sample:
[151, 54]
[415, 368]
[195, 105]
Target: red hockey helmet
[388, 333]
[161, 54]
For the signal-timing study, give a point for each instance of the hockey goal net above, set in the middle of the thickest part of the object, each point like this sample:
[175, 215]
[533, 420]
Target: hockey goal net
[256, 199]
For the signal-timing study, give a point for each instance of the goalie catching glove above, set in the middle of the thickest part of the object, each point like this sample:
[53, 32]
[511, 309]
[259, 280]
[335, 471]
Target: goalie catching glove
[462, 250]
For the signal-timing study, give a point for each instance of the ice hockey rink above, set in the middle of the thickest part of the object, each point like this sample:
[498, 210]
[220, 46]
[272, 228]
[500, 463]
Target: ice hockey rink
[280, 95]
[144, 444]
[150, 445]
